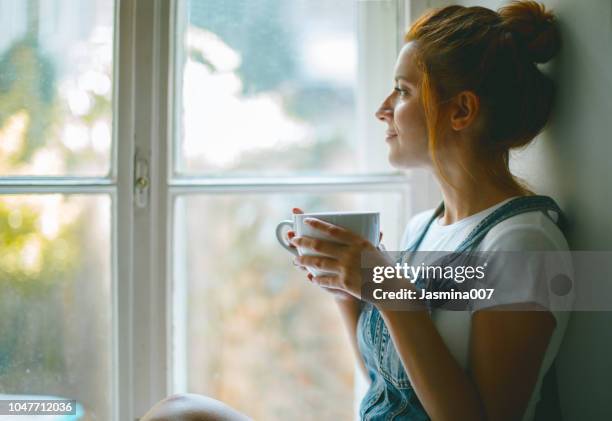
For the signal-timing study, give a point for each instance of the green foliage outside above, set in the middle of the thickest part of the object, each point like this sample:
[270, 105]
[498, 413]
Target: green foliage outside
[36, 268]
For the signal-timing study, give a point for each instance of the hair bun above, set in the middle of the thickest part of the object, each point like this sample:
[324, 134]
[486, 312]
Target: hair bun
[534, 26]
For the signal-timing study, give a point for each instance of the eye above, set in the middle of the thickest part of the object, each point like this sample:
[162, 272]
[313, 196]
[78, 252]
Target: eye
[402, 92]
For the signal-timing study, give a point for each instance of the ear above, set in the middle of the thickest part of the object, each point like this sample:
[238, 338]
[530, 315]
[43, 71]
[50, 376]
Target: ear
[464, 109]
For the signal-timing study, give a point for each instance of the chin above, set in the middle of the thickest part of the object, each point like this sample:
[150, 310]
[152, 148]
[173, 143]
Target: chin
[405, 153]
[406, 162]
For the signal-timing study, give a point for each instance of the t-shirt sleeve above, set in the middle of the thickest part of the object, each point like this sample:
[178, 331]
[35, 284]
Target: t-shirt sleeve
[526, 266]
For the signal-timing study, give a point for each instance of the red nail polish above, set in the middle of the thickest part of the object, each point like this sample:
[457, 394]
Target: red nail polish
[310, 276]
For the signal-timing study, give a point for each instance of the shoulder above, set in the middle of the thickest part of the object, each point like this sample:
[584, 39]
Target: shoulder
[526, 231]
[526, 277]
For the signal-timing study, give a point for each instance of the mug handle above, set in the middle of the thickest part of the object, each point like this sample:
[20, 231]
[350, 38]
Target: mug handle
[281, 239]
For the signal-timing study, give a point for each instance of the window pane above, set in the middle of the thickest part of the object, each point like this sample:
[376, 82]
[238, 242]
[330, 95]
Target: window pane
[268, 88]
[55, 87]
[257, 334]
[55, 299]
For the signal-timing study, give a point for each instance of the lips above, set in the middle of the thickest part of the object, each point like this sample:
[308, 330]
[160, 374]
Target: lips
[391, 135]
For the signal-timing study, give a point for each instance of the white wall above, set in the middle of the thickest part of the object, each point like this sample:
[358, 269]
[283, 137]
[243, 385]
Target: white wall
[572, 163]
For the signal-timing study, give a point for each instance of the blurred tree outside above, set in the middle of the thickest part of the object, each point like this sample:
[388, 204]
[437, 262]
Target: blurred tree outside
[259, 336]
[256, 31]
[35, 266]
[271, 63]
[27, 82]
[43, 259]
[52, 123]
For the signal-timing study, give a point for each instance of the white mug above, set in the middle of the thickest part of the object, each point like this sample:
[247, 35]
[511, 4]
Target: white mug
[365, 224]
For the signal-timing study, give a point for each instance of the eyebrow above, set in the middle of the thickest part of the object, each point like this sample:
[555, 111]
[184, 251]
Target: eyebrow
[404, 78]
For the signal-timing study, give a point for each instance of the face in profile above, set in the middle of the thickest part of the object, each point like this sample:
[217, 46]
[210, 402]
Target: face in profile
[402, 111]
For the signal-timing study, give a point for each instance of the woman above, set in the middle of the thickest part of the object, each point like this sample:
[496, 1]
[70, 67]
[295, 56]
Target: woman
[467, 90]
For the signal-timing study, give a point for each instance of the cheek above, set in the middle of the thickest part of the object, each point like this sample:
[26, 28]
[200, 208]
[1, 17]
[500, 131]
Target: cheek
[410, 121]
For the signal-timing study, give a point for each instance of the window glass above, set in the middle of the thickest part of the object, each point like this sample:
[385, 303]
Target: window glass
[268, 88]
[56, 87]
[258, 335]
[55, 300]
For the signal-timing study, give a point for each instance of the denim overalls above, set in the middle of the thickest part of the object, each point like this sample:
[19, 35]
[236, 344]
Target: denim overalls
[390, 395]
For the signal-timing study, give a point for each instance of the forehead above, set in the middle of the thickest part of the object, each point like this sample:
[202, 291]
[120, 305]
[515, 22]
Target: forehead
[405, 65]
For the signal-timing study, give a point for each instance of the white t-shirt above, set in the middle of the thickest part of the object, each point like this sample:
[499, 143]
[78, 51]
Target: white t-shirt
[526, 231]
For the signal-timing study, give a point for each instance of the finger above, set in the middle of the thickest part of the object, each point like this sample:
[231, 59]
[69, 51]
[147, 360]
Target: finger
[290, 235]
[299, 266]
[297, 210]
[342, 235]
[326, 281]
[324, 263]
[326, 247]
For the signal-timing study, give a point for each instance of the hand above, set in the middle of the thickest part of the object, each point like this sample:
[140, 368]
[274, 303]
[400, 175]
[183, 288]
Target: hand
[338, 294]
[342, 256]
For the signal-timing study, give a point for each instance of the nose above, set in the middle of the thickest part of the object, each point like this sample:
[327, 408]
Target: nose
[385, 111]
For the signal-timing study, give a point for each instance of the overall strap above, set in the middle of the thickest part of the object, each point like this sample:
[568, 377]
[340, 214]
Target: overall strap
[514, 207]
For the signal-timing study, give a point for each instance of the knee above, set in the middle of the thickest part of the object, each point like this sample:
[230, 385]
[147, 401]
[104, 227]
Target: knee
[192, 407]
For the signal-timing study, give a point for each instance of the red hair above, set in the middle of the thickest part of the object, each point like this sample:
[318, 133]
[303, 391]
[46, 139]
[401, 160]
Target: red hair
[494, 55]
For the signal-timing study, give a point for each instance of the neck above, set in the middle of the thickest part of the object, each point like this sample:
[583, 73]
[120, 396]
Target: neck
[471, 195]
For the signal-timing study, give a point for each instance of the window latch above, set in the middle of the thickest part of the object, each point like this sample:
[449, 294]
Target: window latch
[141, 181]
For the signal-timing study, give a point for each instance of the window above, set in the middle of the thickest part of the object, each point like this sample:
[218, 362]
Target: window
[267, 95]
[148, 149]
[56, 206]
[56, 88]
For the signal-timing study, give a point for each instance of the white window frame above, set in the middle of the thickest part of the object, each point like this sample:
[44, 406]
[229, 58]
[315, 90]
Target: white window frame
[144, 307]
[142, 115]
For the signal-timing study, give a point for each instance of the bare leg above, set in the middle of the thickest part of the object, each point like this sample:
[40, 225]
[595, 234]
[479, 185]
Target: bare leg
[192, 407]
